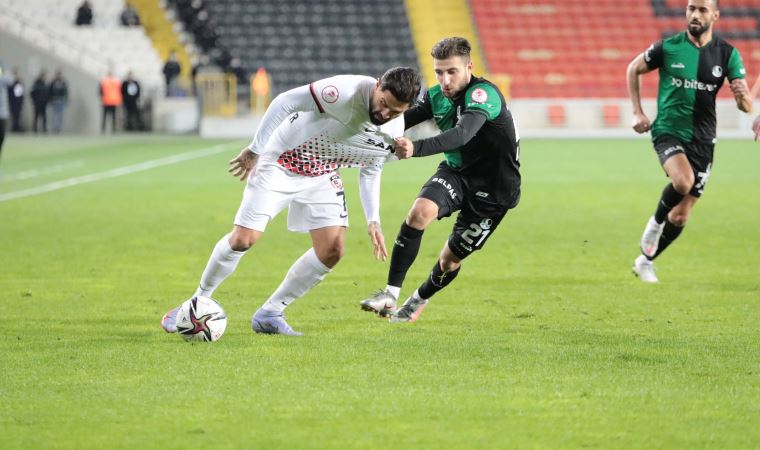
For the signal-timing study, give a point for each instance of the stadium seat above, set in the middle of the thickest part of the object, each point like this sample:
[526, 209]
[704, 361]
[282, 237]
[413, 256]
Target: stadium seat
[578, 46]
[301, 40]
[611, 115]
[556, 115]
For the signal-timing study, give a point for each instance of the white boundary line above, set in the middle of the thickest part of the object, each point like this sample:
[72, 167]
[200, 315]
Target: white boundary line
[117, 172]
[34, 173]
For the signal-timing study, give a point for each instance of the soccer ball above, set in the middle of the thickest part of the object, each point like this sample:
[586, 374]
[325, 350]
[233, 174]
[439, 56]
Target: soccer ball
[201, 319]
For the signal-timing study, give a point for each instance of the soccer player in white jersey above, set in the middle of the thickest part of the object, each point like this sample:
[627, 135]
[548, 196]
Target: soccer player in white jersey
[305, 136]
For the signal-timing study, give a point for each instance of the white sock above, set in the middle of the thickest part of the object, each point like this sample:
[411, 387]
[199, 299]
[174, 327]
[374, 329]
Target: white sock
[303, 275]
[221, 264]
[393, 290]
[416, 295]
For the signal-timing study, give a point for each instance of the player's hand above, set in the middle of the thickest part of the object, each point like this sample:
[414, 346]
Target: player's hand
[242, 166]
[403, 148]
[739, 88]
[378, 241]
[756, 127]
[641, 123]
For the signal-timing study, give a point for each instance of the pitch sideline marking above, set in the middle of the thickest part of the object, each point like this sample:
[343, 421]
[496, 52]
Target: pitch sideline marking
[112, 173]
[34, 173]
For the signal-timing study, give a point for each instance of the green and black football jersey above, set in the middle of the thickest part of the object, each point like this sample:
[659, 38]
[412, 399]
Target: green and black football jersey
[490, 160]
[690, 78]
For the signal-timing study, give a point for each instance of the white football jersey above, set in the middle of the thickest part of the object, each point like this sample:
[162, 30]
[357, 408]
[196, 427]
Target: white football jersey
[336, 132]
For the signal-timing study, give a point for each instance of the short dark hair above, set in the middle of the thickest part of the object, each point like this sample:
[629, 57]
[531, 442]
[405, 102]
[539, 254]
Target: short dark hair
[452, 46]
[402, 82]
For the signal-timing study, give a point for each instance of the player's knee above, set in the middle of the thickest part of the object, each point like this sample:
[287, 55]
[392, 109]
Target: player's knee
[331, 254]
[678, 217]
[683, 184]
[421, 215]
[449, 265]
[241, 241]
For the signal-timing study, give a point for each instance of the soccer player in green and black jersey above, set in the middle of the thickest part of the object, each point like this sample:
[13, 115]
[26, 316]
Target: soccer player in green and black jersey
[692, 66]
[479, 176]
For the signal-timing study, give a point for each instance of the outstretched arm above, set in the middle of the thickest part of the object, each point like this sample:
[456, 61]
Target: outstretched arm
[468, 126]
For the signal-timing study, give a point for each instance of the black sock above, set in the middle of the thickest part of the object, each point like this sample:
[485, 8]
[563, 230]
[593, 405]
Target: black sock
[437, 280]
[669, 234]
[404, 253]
[669, 200]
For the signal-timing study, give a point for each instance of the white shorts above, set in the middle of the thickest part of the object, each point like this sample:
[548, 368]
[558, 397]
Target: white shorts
[313, 202]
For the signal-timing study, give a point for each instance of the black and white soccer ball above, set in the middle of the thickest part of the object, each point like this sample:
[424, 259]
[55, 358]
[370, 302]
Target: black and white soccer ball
[201, 319]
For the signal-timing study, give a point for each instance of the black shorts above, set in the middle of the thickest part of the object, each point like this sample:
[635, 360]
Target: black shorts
[477, 218]
[699, 154]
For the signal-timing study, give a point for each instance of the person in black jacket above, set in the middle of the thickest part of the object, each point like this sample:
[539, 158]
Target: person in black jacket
[39, 95]
[84, 14]
[130, 91]
[172, 68]
[16, 92]
[58, 97]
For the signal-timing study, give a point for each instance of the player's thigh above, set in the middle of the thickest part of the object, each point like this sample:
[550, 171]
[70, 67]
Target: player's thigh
[266, 193]
[323, 205]
[472, 230]
[701, 159]
[671, 152]
[445, 189]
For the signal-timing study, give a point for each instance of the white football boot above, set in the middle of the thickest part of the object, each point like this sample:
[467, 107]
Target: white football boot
[410, 311]
[382, 303]
[651, 237]
[644, 269]
[169, 321]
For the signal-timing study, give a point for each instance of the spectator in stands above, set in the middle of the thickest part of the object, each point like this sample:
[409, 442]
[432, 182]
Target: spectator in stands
[129, 16]
[200, 65]
[5, 82]
[110, 95]
[236, 68]
[39, 95]
[130, 92]
[84, 14]
[58, 95]
[172, 68]
[16, 100]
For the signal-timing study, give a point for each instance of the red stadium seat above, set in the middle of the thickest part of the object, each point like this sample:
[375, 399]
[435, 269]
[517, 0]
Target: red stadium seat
[575, 48]
[556, 115]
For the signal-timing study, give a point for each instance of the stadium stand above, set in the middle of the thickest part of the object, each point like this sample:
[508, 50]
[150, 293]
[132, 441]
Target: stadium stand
[299, 41]
[581, 48]
[430, 20]
[105, 44]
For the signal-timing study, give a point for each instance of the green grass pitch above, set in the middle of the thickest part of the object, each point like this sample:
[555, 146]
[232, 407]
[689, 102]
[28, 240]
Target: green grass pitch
[545, 340]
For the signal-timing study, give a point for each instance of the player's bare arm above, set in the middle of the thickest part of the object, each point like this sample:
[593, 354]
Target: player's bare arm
[378, 240]
[742, 94]
[756, 127]
[637, 67]
[242, 166]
